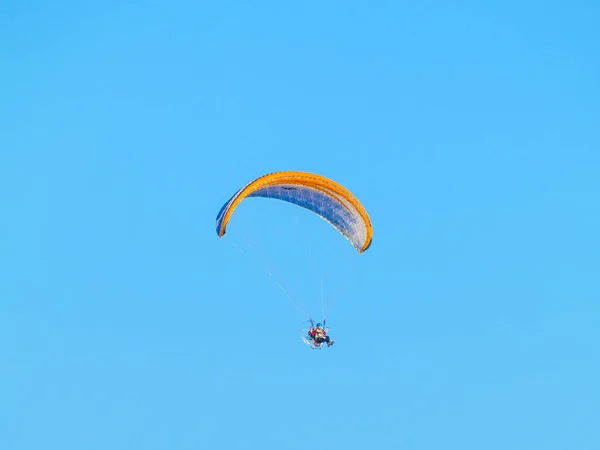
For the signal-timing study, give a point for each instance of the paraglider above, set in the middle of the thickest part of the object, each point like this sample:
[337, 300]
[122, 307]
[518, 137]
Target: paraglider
[318, 334]
[324, 197]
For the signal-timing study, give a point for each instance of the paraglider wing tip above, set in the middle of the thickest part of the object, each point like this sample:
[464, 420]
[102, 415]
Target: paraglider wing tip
[364, 249]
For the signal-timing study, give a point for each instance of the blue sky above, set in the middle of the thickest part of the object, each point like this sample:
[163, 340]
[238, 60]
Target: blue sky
[468, 130]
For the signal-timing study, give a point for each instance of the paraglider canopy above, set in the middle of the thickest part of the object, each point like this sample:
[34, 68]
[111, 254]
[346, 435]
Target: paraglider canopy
[330, 200]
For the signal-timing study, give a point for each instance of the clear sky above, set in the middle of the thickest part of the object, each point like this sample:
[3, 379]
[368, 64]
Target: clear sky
[469, 130]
